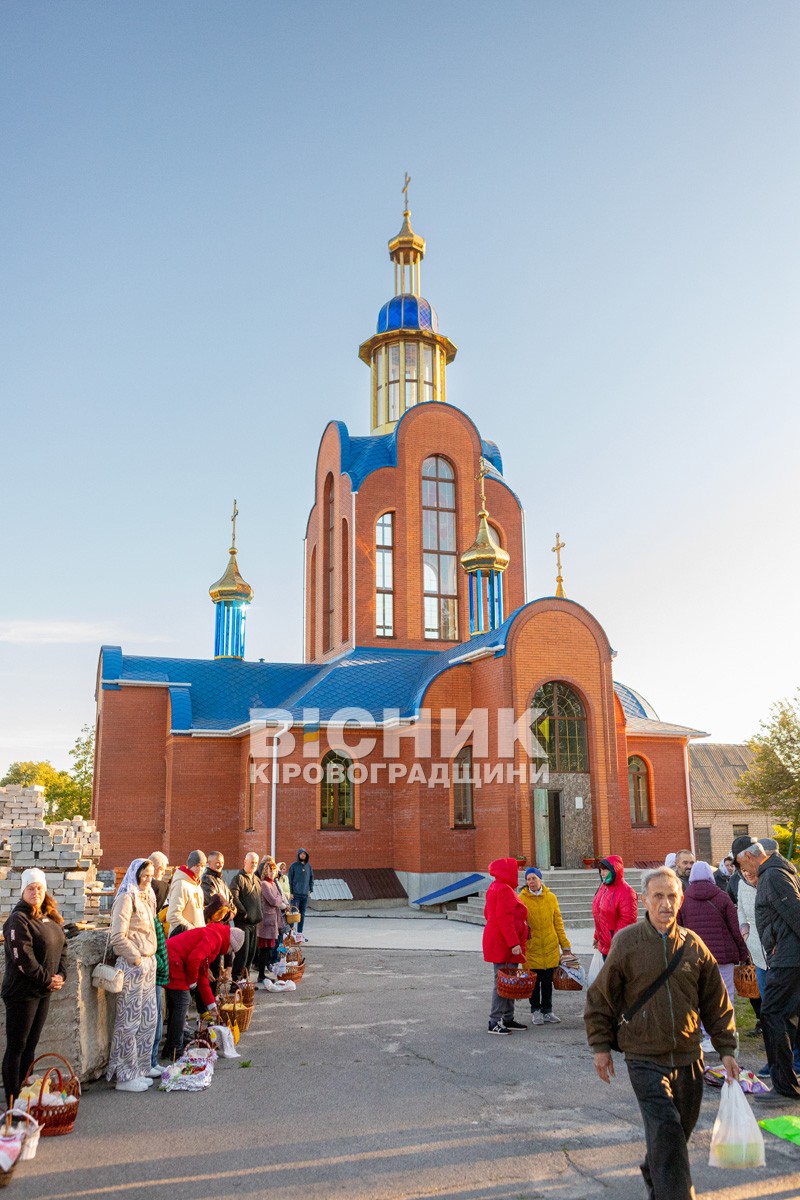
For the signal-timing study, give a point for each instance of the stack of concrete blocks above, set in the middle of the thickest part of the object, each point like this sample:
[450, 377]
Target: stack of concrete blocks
[67, 851]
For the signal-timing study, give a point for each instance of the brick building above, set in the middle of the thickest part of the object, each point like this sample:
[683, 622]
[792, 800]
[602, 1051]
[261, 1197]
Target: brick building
[720, 813]
[439, 718]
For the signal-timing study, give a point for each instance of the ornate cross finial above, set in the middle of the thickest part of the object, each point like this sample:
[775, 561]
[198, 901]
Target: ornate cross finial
[233, 523]
[483, 471]
[559, 546]
[404, 189]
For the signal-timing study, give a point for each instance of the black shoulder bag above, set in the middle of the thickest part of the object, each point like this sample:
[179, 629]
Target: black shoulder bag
[648, 993]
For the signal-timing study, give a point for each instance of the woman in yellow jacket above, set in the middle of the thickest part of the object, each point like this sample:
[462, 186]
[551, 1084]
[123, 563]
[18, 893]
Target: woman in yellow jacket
[546, 941]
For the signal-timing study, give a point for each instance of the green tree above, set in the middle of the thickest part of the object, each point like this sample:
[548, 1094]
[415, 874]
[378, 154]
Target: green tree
[67, 793]
[772, 781]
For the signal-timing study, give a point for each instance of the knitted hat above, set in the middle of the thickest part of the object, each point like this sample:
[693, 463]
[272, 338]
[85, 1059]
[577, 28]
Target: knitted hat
[32, 875]
[740, 844]
[237, 939]
[701, 870]
[533, 871]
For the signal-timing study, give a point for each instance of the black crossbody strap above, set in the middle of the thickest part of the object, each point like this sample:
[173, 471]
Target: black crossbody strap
[674, 962]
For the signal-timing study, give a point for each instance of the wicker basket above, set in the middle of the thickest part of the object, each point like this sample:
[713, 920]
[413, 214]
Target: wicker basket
[248, 991]
[292, 915]
[55, 1119]
[563, 982]
[294, 955]
[233, 1011]
[745, 981]
[32, 1131]
[295, 970]
[515, 985]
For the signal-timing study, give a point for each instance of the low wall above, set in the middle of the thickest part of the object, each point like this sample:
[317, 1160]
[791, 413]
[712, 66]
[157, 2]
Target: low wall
[81, 1018]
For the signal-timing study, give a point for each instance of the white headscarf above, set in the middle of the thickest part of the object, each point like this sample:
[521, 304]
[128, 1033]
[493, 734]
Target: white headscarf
[130, 884]
[723, 866]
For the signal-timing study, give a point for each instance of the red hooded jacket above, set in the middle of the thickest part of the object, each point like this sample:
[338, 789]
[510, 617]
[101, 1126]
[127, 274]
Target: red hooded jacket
[189, 954]
[506, 915]
[615, 905]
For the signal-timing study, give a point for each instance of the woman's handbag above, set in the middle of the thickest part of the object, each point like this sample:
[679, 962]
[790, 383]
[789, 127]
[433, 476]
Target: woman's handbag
[105, 977]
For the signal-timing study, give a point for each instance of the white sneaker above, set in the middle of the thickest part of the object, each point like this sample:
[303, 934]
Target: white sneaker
[154, 1073]
[148, 1080]
[134, 1085]
[538, 1017]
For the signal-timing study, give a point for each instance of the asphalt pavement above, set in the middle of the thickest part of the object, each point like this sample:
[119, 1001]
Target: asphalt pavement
[376, 1080]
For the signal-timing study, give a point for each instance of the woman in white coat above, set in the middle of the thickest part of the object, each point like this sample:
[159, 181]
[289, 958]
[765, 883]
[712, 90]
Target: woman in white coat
[133, 937]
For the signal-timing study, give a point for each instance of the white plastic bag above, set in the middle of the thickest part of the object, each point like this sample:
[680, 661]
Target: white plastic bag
[595, 967]
[223, 1040]
[736, 1140]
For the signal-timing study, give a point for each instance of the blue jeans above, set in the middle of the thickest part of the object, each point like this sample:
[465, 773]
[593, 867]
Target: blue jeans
[159, 1026]
[300, 901]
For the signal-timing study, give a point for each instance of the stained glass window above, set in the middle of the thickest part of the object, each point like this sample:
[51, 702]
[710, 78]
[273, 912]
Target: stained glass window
[559, 727]
[439, 559]
[336, 793]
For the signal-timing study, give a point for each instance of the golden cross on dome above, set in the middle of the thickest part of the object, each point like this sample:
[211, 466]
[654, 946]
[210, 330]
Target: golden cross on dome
[404, 189]
[233, 523]
[482, 473]
[559, 546]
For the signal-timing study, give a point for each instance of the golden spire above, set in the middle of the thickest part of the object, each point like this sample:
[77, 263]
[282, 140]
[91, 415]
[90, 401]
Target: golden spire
[559, 546]
[484, 554]
[407, 248]
[231, 586]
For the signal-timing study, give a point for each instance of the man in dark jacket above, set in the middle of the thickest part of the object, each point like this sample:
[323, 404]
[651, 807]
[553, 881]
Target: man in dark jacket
[778, 924]
[301, 883]
[661, 1042]
[213, 884]
[246, 896]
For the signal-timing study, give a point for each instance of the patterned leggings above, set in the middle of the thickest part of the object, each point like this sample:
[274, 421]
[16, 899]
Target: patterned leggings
[135, 1026]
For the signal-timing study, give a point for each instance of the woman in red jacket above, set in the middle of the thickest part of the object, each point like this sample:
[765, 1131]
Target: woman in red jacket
[504, 936]
[189, 954]
[615, 903]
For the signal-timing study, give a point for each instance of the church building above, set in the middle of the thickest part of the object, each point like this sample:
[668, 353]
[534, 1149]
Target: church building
[439, 718]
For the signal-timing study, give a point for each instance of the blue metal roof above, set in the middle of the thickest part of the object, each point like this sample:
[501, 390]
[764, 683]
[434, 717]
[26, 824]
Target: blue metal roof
[407, 312]
[634, 705]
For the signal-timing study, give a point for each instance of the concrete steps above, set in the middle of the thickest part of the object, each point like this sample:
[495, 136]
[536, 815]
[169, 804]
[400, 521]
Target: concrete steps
[574, 890]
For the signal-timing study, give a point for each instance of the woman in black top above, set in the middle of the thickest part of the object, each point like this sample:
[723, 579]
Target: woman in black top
[36, 966]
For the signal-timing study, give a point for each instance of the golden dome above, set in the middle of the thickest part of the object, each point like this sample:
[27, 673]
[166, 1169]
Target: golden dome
[484, 554]
[231, 586]
[406, 239]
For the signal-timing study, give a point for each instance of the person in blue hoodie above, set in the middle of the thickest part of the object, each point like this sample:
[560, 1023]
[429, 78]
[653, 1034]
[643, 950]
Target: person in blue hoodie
[301, 884]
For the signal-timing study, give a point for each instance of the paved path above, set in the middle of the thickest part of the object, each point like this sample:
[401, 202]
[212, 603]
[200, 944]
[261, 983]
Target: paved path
[376, 1080]
[414, 931]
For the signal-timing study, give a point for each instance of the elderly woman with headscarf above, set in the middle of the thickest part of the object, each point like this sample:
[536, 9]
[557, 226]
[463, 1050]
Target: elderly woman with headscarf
[712, 915]
[36, 966]
[133, 937]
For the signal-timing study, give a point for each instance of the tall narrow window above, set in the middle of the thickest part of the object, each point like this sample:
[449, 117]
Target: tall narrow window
[411, 374]
[345, 582]
[336, 793]
[384, 576]
[639, 791]
[559, 725]
[427, 373]
[394, 381]
[462, 788]
[380, 386]
[329, 595]
[439, 556]
[251, 793]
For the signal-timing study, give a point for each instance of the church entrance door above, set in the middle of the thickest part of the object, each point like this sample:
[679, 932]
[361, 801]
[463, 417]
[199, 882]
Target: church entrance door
[547, 823]
[554, 808]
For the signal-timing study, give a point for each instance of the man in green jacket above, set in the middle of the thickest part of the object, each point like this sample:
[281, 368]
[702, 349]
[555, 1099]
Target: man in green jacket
[661, 1041]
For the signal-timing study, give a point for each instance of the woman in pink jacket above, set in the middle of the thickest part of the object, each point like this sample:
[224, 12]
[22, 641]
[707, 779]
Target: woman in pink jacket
[504, 936]
[273, 904]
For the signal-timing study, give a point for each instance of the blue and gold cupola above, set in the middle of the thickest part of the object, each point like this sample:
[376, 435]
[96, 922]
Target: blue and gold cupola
[407, 354]
[484, 564]
[231, 595]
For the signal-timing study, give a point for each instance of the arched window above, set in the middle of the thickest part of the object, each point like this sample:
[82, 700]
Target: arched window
[463, 816]
[312, 606]
[439, 555]
[251, 793]
[328, 594]
[336, 793]
[559, 726]
[639, 791]
[384, 576]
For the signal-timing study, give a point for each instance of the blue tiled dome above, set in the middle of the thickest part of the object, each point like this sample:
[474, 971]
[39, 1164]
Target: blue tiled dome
[407, 312]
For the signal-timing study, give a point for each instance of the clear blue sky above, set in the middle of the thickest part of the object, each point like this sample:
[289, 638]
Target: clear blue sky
[196, 204]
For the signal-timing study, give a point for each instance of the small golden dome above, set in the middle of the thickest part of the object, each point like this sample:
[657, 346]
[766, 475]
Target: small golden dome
[484, 554]
[406, 239]
[231, 586]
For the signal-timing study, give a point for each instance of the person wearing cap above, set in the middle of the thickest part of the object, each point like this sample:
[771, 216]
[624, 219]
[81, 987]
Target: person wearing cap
[189, 955]
[547, 941]
[777, 913]
[615, 903]
[185, 900]
[36, 966]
